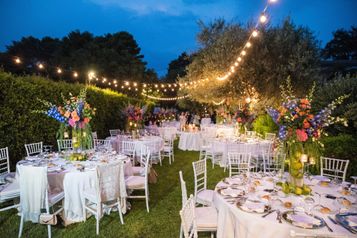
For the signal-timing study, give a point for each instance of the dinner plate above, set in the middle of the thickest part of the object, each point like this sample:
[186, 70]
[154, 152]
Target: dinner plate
[253, 206]
[303, 220]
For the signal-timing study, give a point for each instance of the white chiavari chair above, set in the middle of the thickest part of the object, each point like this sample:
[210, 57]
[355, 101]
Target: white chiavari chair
[139, 170]
[34, 195]
[193, 221]
[238, 163]
[102, 144]
[109, 192]
[128, 148]
[214, 152]
[270, 136]
[140, 182]
[65, 144]
[203, 195]
[10, 188]
[168, 149]
[265, 155]
[34, 148]
[334, 168]
[114, 132]
[155, 147]
[94, 135]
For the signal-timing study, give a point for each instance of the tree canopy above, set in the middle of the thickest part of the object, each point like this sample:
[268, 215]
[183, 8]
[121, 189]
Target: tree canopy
[277, 53]
[111, 55]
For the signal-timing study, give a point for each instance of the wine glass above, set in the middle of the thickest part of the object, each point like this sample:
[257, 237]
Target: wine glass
[309, 204]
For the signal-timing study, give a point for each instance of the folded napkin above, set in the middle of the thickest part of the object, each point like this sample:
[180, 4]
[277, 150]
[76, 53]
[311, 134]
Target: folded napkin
[303, 220]
[253, 207]
[231, 192]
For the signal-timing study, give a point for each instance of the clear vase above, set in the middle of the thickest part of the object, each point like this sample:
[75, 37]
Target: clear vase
[77, 139]
[296, 166]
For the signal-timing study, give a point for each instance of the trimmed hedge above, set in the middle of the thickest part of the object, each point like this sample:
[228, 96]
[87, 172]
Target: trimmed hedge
[18, 98]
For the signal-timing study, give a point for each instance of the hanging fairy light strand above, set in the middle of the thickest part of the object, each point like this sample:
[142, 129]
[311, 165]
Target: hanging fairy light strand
[165, 98]
[263, 18]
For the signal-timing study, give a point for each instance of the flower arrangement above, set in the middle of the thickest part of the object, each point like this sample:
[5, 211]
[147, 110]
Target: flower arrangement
[300, 129]
[74, 113]
[244, 117]
[165, 114]
[134, 115]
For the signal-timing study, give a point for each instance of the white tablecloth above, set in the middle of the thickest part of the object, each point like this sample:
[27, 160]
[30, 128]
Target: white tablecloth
[167, 132]
[175, 124]
[219, 130]
[235, 223]
[74, 182]
[206, 121]
[190, 141]
[146, 140]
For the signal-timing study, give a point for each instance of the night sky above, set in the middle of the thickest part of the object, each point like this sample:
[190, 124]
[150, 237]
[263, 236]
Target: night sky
[162, 28]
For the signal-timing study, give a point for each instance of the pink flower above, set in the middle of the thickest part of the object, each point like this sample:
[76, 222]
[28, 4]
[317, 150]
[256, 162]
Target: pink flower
[71, 122]
[301, 135]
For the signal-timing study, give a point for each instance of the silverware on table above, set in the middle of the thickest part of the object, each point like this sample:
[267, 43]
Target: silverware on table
[337, 223]
[328, 227]
[278, 216]
[270, 212]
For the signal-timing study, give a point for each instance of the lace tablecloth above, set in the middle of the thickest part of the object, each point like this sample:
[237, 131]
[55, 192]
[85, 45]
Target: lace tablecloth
[190, 141]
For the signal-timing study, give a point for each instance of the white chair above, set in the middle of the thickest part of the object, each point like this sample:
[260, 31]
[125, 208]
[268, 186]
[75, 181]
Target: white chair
[65, 144]
[265, 155]
[102, 144]
[250, 134]
[277, 162]
[34, 195]
[203, 195]
[11, 189]
[139, 170]
[168, 149]
[140, 182]
[34, 148]
[109, 191]
[205, 146]
[334, 168]
[128, 148]
[193, 222]
[213, 153]
[238, 163]
[114, 132]
[94, 135]
[155, 147]
[270, 136]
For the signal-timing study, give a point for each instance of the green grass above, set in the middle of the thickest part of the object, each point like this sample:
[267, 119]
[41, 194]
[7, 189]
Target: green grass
[162, 221]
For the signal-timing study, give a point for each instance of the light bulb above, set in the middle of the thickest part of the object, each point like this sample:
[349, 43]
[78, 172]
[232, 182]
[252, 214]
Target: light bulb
[263, 18]
[40, 66]
[17, 61]
[255, 33]
[248, 44]
[59, 70]
[75, 74]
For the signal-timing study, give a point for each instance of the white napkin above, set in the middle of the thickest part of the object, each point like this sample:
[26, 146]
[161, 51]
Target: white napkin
[231, 192]
[303, 220]
[253, 206]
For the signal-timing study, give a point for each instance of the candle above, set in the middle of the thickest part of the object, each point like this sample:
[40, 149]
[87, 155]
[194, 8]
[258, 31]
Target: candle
[303, 158]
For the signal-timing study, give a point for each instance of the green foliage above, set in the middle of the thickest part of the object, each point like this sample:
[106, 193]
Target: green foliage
[341, 85]
[342, 146]
[264, 124]
[18, 99]
[278, 52]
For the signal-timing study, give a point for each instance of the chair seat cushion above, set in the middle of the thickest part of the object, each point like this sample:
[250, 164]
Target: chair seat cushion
[167, 149]
[8, 191]
[135, 182]
[7, 178]
[206, 218]
[205, 197]
[53, 198]
[137, 170]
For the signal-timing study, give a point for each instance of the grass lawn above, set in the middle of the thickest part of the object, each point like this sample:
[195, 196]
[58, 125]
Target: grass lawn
[162, 221]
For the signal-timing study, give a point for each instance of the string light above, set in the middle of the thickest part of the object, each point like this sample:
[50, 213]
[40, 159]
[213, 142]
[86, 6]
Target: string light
[40, 66]
[248, 45]
[165, 98]
[17, 60]
[75, 74]
[255, 33]
[59, 71]
[263, 18]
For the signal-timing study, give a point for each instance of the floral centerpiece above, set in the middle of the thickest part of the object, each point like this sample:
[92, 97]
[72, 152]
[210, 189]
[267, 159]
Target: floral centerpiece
[74, 114]
[300, 129]
[134, 115]
[244, 118]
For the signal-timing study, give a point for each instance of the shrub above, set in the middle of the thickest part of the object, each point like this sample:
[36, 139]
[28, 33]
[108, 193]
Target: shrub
[264, 124]
[18, 98]
[343, 146]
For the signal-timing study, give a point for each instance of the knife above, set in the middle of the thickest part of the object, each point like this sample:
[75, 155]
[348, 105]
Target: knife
[337, 223]
[271, 211]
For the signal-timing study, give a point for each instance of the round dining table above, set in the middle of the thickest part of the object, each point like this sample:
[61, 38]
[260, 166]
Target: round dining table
[74, 177]
[235, 221]
[190, 141]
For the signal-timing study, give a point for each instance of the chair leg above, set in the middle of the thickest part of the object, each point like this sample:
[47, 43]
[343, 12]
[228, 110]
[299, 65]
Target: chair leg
[147, 200]
[21, 225]
[181, 232]
[99, 207]
[120, 212]
[49, 231]
[212, 235]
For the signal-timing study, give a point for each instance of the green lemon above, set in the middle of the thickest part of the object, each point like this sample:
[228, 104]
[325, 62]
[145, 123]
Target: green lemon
[298, 191]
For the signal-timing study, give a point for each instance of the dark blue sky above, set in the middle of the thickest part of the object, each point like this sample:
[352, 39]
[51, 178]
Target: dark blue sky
[163, 28]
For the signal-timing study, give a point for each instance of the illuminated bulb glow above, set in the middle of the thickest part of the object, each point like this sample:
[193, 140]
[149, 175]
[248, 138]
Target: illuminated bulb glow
[244, 52]
[263, 19]
[40, 66]
[239, 59]
[59, 70]
[248, 45]
[75, 74]
[17, 61]
[255, 33]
